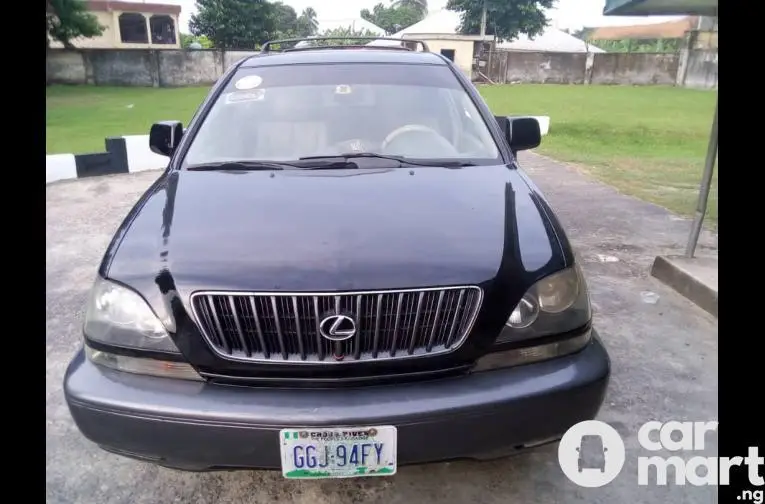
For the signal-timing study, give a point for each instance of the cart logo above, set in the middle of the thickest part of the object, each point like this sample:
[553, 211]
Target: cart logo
[337, 327]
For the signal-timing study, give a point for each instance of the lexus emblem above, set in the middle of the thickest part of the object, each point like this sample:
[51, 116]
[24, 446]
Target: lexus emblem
[337, 327]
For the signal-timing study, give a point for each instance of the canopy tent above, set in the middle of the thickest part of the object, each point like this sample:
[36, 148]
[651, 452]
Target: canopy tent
[691, 8]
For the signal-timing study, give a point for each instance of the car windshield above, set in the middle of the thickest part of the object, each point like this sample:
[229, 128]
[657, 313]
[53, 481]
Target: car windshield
[285, 113]
[592, 442]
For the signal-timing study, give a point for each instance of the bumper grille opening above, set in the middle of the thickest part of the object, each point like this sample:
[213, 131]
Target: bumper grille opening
[277, 327]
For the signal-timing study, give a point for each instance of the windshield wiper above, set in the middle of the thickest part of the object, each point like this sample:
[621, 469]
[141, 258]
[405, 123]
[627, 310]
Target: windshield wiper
[239, 166]
[400, 159]
[311, 164]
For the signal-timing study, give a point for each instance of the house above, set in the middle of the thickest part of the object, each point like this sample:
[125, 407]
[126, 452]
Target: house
[132, 25]
[439, 31]
[551, 40]
[672, 28]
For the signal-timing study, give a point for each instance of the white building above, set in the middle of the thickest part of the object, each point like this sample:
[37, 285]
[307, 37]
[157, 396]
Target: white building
[439, 31]
[551, 40]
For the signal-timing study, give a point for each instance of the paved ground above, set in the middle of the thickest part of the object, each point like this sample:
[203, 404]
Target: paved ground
[664, 363]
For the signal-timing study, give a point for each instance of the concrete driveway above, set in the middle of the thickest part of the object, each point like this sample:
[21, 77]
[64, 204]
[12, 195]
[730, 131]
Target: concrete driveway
[664, 364]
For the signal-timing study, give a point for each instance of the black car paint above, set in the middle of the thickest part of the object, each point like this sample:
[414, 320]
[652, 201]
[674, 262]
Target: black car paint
[272, 231]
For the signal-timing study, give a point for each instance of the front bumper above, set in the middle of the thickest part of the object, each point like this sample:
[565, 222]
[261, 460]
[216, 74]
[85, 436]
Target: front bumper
[200, 426]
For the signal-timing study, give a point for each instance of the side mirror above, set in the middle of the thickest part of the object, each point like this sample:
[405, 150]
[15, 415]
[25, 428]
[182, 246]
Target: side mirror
[521, 133]
[165, 136]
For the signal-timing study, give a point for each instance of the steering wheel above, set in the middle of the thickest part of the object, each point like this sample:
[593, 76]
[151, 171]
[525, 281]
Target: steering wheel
[445, 145]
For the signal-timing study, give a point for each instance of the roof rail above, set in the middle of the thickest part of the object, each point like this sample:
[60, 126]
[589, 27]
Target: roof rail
[267, 47]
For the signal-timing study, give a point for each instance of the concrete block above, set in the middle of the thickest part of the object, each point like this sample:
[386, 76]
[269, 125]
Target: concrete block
[695, 278]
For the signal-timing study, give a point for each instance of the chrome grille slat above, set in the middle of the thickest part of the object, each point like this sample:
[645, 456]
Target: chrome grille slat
[394, 341]
[455, 319]
[218, 325]
[277, 325]
[284, 328]
[417, 319]
[239, 332]
[435, 328]
[357, 342]
[299, 333]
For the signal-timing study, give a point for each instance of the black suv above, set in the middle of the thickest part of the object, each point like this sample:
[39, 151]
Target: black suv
[341, 270]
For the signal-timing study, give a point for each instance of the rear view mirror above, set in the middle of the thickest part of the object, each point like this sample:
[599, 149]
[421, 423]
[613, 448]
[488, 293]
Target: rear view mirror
[521, 133]
[165, 136]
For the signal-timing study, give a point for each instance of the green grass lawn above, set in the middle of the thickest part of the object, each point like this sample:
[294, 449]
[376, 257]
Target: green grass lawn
[649, 142]
[79, 118]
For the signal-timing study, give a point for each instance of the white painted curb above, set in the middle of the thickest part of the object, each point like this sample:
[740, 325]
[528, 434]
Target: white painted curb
[140, 157]
[544, 124]
[60, 167]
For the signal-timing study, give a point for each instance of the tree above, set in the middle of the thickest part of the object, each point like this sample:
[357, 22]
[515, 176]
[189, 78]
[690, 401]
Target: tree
[420, 6]
[286, 20]
[67, 20]
[505, 18]
[187, 40]
[394, 17]
[308, 23]
[235, 24]
[348, 35]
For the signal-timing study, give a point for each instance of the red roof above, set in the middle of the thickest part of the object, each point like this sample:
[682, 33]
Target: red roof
[154, 8]
[666, 30]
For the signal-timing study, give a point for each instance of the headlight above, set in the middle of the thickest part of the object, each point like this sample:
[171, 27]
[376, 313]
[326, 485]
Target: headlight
[554, 305]
[118, 317]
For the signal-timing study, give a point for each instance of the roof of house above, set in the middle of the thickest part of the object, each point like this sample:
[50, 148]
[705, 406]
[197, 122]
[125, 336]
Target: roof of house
[551, 40]
[154, 8]
[356, 24]
[660, 7]
[446, 22]
[440, 22]
[666, 30]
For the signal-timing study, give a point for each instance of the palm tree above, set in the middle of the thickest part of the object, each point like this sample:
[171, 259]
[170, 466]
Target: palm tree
[307, 22]
[420, 6]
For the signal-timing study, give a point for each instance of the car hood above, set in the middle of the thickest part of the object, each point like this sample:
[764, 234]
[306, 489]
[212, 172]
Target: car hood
[329, 230]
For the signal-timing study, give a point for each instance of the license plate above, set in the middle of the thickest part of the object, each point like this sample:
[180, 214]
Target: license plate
[343, 452]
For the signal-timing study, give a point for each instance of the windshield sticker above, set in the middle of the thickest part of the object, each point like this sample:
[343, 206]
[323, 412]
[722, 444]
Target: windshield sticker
[249, 82]
[246, 96]
[343, 89]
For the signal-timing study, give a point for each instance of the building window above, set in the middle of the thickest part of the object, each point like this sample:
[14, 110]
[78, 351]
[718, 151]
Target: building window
[162, 30]
[449, 53]
[133, 28]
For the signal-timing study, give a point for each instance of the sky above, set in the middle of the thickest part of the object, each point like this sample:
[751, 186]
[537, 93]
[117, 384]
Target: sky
[571, 14]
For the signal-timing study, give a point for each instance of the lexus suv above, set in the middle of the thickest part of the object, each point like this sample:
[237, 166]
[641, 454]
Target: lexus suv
[342, 270]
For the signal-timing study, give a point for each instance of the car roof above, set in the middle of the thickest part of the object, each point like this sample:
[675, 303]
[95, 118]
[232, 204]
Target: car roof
[334, 56]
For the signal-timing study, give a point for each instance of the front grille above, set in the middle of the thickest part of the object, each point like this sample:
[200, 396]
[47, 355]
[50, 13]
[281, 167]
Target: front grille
[275, 327]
